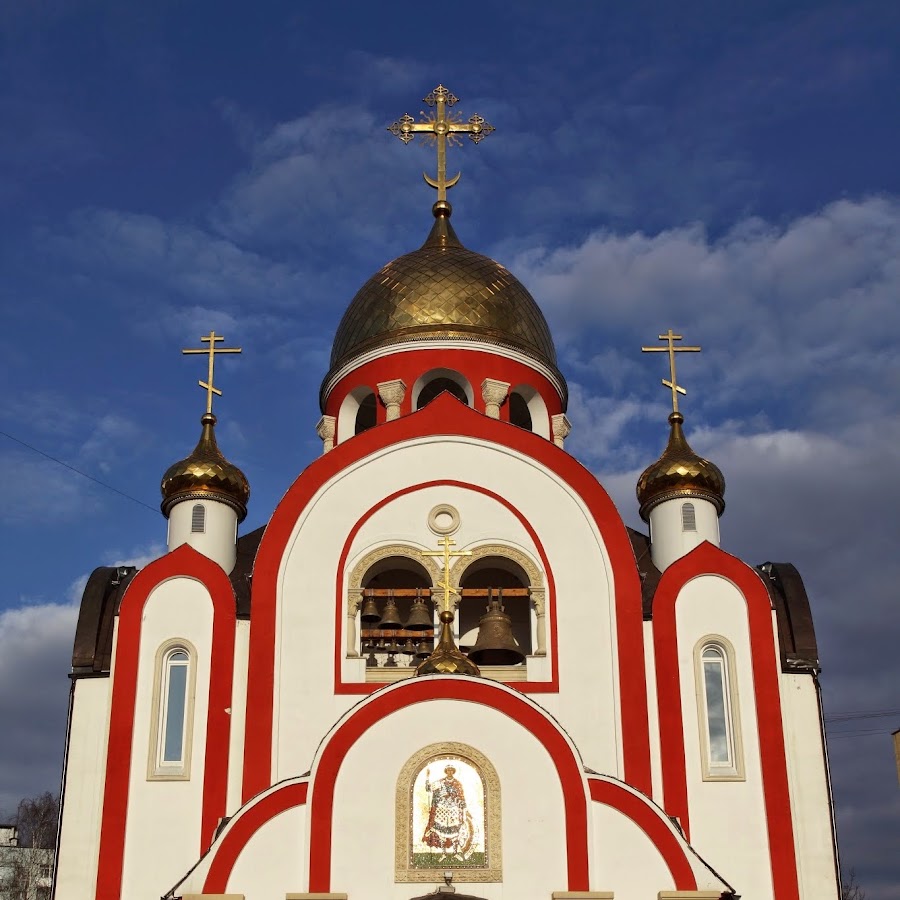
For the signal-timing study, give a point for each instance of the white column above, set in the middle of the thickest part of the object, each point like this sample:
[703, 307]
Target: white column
[392, 394]
[325, 429]
[561, 428]
[493, 392]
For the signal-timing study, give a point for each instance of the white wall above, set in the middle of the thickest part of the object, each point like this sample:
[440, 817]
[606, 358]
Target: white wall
[668, 539]
[807, 780]
[83, 801]
[217, 541]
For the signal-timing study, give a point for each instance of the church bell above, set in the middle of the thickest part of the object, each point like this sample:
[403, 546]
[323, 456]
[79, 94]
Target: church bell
[391, 617]
[370, 611]
[496, 645]
[420, 619]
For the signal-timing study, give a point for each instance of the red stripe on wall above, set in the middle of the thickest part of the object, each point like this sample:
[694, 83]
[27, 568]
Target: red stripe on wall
[650, 821]
[444, 416]
[707, 559]
[246, 824]
[535, 687]
[185, 562]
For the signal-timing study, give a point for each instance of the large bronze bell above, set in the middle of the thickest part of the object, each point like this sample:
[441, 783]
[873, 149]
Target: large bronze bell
[420, 619]
[391, 617]
[496, 645]
[370, 610]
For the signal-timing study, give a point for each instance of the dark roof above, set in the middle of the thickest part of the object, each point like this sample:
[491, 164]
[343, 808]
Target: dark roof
[796, 634]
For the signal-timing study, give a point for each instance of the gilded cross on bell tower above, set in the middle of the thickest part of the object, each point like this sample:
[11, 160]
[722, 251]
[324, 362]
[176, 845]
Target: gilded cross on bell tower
[441, 128]
[670, 337]
[211, 351]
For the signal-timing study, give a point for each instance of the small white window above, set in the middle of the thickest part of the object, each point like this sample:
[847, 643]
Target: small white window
[718, 711]
[198, 519]
[688, 517]
[173, 712]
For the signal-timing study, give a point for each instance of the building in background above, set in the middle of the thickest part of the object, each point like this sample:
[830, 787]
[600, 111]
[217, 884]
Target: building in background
[26, 873]
[445, 663]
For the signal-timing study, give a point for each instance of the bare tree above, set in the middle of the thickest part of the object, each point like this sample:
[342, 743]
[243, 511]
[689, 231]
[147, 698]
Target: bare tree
[26, 867]
[850, 889]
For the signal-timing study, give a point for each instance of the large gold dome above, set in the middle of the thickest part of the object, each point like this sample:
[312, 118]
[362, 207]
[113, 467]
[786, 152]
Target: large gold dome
[443, 290]
[206, 473]
[680, 472]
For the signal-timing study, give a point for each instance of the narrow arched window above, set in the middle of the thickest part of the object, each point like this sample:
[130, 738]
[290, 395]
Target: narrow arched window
[519, 413]
[198, 519]
[438, 386]
[719, 723]
[688, 517]
[366, 415]
[173, 701]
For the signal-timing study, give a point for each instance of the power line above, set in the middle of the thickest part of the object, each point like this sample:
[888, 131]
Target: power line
[65, 465]
[859, 714]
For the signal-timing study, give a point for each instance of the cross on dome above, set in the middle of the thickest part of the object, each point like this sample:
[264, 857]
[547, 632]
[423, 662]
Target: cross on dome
[671, 382]
[441, 128]
[211, 351]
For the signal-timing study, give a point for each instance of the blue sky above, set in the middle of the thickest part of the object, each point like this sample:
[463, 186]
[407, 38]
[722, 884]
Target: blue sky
[168, 168]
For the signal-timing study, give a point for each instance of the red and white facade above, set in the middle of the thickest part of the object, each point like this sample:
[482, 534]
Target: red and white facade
[285, 779]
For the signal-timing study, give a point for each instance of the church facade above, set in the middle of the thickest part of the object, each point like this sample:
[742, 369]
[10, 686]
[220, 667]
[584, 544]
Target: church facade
[445, 665]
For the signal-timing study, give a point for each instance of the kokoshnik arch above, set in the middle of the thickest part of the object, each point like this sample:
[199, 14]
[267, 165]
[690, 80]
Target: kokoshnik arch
[445, 662]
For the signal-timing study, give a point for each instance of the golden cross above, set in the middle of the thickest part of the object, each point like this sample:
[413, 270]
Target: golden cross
[212, 350]
[446, 543]
[671, 349]
[441, 128]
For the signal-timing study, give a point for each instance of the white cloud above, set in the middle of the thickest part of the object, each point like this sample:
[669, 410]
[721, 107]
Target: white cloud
[35, 656]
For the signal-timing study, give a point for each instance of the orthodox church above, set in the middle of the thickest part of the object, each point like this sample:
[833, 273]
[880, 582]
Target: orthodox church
[445, 666]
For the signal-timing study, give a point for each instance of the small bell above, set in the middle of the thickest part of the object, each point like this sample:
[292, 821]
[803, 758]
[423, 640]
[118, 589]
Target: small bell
[391, 617]
[409, 647]
[496, 645]
[370, 610]
[423, 650]
[420, 619]
[393, 648]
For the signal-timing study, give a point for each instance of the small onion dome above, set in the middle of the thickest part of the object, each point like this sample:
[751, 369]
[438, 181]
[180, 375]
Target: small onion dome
[679, 472]
[205, 474]
[443, 290]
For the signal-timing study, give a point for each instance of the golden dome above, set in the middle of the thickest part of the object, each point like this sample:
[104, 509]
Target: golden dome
[443, 290]
[680, 472]
[206, 474]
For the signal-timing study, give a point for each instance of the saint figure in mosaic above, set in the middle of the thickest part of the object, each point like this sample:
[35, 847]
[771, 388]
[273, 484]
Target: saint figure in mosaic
[449, 829]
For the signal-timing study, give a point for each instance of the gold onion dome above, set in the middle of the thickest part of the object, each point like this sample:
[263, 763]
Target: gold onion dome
[680, 472]
[206, 474]
[443, 290]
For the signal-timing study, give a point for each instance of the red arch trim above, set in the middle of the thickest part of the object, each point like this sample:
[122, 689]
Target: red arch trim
[649, 821]
[345, 687]
[707, 559]
[474, 691]
[245, 826]
[185, 562]
[444, 415]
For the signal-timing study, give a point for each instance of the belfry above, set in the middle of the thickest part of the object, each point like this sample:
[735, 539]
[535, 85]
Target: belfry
[445, 666]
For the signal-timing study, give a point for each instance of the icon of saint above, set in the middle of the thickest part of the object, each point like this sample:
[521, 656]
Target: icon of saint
[449, 828]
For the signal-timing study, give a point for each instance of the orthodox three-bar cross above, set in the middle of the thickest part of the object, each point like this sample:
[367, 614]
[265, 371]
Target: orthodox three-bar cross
[441, 128]
[211, 351]
[671, 349]
[446, 554]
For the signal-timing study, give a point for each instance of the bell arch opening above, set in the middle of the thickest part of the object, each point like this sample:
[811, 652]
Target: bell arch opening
[396, 614]
[435, 382]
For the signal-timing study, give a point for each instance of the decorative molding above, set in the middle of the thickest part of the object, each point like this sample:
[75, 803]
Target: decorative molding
[354, 582]
[438, 513]
[392, 394]
[156, 771]
[493, 870]
[494, 392]
[561, 428]
[583, 895]
[326, 428]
